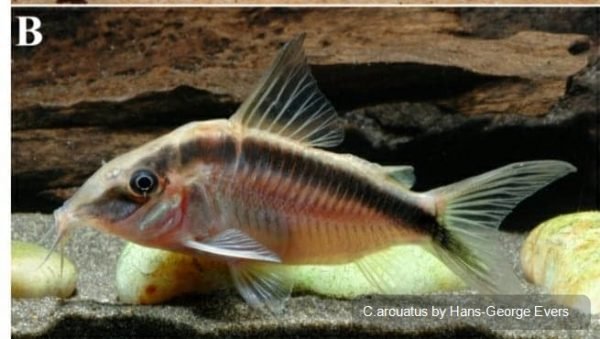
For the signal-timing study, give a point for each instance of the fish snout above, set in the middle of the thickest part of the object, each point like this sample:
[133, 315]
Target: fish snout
[64, 220]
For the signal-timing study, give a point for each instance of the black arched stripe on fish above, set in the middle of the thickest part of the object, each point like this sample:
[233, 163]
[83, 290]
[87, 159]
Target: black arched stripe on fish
[160, 161]
[213, 150]
[256, 191]
[341, 183]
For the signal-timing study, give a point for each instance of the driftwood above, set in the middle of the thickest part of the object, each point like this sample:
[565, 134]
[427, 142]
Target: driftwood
[106, 80]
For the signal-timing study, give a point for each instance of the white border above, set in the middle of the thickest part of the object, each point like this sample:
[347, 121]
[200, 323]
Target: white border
[5, 171]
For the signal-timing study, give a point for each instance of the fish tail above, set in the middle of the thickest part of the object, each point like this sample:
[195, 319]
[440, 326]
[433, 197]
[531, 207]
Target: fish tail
[470, 212]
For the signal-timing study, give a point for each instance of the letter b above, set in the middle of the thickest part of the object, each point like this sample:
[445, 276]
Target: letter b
[29, 27]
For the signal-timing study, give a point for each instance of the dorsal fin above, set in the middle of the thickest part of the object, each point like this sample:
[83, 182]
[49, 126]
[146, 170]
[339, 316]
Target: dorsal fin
[288, 102]
[405, 175]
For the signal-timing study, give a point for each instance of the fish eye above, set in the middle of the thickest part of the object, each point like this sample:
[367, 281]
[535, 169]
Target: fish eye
[143, 182]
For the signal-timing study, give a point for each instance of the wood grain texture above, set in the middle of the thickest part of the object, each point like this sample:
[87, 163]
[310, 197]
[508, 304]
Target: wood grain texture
[129, 53]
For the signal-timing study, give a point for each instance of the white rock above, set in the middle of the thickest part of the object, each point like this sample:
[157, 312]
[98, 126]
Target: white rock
[563, 255]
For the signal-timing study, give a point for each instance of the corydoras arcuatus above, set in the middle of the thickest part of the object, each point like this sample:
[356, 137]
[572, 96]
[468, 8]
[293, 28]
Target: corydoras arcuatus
[258, 188]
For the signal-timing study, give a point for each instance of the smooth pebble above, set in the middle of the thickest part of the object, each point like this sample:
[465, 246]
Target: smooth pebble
[563, 255]
[30, 280]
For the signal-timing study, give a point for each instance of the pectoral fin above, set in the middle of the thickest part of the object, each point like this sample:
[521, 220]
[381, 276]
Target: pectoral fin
[234, 243]
[263, 286]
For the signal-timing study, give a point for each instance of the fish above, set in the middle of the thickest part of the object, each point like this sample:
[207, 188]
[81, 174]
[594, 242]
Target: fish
[260, 190]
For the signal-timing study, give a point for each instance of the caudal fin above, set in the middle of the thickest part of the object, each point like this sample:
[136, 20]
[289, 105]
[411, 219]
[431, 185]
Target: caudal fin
[471, 211]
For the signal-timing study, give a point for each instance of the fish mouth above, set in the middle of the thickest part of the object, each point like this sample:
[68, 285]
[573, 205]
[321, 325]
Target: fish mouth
[64, 220]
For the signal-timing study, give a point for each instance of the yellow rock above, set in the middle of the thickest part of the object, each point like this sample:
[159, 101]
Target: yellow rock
[563, 255]
[30, 280]
[420, 273]
[150, 276]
